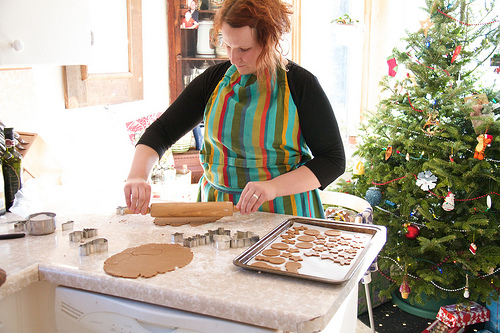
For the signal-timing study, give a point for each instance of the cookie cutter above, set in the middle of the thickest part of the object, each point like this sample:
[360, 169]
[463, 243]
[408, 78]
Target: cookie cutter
[97, 245]
[78, 236]
[69, 225]
[20, 226]
[220, 238]
[120, 210]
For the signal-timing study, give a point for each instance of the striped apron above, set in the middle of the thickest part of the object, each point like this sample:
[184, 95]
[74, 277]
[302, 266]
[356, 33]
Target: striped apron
[252, 133]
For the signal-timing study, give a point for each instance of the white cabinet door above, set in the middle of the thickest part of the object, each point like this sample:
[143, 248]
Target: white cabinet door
[44, 32]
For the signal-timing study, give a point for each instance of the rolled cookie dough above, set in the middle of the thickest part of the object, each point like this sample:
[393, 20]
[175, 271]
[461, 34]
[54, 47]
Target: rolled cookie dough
[148, 260]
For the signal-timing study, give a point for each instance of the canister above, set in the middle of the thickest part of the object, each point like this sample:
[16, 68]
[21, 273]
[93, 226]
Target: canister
[204, 47]
[41, 223]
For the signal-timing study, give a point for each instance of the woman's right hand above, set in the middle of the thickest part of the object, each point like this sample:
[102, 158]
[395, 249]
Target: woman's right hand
[137, 195]
[137, 190]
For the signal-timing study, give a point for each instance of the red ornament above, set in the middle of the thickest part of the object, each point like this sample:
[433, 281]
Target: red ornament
[473, 248]
[456, 53]
[412, 231]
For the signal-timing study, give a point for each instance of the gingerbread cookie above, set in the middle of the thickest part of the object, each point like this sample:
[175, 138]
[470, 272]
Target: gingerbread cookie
[335, 233]
[293, 267]
[279, 246]
[306, 238]
[271, 260]
[271, 252]
[312, 232]
[312, 253]
[342, 261]
[304, 245]
[262, 264]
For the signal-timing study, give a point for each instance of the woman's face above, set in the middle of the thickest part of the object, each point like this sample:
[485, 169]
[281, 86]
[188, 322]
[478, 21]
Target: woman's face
[242, 47]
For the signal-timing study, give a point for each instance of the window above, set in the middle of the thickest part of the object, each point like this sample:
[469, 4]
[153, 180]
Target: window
[349, 61]
[333, 52]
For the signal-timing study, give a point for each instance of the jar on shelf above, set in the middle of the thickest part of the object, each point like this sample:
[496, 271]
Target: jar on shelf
[215, 4]
[204, 48]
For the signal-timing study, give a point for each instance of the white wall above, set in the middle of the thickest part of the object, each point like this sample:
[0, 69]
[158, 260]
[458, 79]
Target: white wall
[93, 146]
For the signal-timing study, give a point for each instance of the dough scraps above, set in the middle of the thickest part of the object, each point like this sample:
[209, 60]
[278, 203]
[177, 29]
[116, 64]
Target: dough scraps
[148, 260]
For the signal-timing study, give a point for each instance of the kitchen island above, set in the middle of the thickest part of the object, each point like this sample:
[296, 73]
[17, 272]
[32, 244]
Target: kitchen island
[211, 284]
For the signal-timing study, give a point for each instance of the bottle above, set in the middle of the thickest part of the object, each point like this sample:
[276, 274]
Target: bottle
[11, 168]
[3, 210]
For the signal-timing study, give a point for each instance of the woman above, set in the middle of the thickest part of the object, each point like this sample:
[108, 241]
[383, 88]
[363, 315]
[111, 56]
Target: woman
[265, 118]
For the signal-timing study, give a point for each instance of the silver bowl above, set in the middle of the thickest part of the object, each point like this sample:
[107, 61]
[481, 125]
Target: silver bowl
[41, 223]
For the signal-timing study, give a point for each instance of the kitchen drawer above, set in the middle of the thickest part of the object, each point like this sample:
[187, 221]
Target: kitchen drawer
[191, 158]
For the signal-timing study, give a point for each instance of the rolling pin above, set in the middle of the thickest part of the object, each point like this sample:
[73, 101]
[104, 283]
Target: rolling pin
[186, 209]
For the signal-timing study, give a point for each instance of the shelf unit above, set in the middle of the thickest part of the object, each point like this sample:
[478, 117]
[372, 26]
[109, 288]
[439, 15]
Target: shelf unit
[180, 65]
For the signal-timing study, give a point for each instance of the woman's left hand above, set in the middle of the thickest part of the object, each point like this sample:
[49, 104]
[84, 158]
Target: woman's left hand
[254, 195]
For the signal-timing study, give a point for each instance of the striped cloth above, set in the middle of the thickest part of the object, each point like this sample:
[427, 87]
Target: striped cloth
[252, 133]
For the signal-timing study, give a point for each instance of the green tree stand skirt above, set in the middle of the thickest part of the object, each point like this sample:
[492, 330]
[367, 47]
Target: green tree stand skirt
[428, 310]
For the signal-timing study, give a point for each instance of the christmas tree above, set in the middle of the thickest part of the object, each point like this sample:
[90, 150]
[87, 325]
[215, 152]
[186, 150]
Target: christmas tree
[429, 156]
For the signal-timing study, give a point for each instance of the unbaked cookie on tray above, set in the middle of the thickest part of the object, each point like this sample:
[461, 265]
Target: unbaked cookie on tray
[312, 250]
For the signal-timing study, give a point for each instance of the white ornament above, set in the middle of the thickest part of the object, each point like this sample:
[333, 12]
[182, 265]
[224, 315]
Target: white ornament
[426, 180]
[449, 202]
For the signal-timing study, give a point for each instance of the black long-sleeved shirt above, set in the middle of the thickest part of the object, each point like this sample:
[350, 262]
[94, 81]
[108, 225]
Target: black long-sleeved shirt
[317, 120]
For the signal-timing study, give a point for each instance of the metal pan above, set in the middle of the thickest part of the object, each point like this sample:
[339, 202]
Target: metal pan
[315, 268]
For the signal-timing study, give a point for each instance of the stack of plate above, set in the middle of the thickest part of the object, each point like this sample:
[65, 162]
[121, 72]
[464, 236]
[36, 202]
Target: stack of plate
[183, 144]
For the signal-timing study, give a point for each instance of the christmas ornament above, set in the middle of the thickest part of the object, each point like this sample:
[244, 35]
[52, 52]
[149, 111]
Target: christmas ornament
[404, 289]
[484, 141]
[373, 196]
[449, 202]
[359, 169]
[466, 291]
[473, 248]
[431, 124]
[495, 60]
[412, 231]
[481, 109]
[456, 53]
[426, 25]
[488, 202]
[393, 66]
[388, 153]
[426, 180]
[391, 204]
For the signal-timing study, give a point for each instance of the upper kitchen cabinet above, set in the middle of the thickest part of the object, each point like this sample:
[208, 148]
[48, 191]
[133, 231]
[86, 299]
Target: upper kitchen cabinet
[190, 41]
[44, 32]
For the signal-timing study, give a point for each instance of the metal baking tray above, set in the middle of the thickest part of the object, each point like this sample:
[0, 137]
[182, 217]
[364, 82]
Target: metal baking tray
[315, 268]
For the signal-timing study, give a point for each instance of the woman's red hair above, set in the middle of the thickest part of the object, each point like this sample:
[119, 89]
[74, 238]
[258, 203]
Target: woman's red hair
[269, 18]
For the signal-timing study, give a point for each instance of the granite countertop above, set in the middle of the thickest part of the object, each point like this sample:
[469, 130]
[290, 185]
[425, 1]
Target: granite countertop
[211, 284]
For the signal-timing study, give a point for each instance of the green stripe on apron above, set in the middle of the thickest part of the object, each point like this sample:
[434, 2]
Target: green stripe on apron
[252, 133]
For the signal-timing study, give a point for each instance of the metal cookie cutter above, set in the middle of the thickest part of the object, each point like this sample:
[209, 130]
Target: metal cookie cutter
[78, 236]
[220, 238]
[67, 225]
[97, 245]
[120, 210]
[244, 238]
[20, 226]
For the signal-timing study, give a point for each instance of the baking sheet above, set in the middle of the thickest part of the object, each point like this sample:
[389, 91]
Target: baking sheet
[314, 267]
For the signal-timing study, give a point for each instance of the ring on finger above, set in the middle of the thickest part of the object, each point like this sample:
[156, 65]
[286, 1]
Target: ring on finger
[255, 196]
